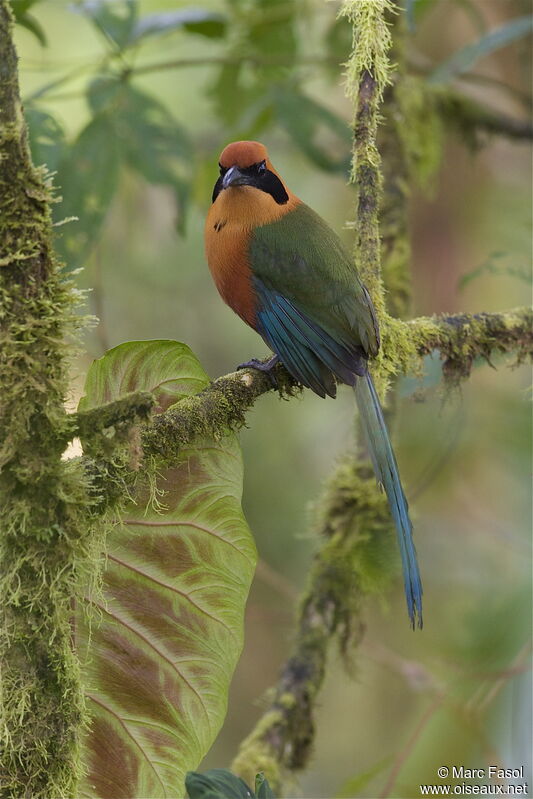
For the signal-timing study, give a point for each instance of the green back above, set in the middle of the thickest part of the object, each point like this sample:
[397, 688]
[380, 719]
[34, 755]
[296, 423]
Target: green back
[302, 258]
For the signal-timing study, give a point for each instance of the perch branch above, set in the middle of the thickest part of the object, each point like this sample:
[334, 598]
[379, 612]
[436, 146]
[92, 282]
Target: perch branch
[460, 339]
[219, 407]
[123, 411]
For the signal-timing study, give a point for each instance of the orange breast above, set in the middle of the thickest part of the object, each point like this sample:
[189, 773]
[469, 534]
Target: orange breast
[230, 223]
[226, 246]
[226, 251]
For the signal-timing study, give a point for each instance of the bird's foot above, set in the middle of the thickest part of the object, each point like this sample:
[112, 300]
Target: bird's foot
[263, 366]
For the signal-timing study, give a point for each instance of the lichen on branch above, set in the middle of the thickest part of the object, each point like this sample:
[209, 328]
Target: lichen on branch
[367, 74]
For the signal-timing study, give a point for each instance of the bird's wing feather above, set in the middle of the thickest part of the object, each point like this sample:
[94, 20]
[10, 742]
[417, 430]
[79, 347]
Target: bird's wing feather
[300, 258]
[308, 351]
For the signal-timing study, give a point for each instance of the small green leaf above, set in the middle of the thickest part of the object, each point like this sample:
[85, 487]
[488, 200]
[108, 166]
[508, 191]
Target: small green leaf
[305, 121]
[211, 28]
[462, 60]
[88, 178]
[152, 140]
[114, 18]
[29, 22]
[47, 138]
[194, 20]
[218, 783]
[129, 128]
[21, 6]
[158, 662]
[25, 20]
[262, 788]
[104, 92]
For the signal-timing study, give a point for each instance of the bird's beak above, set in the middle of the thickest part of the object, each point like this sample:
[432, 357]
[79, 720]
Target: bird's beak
[234, 177]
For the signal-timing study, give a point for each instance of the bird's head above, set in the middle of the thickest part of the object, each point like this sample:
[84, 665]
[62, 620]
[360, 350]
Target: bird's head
[246, 163]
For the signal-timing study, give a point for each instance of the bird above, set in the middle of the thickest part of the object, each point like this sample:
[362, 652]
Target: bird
[287, 274]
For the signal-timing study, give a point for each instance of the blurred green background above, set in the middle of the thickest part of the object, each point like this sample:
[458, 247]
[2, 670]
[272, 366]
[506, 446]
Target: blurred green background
[460, 691]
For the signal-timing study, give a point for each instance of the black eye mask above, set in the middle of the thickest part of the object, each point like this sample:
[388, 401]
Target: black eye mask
[260, 178]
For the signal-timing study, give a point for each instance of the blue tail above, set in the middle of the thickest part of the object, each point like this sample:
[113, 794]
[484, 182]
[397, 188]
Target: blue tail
[386, 469]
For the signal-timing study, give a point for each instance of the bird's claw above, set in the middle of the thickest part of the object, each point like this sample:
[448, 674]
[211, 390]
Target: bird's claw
[263, 366]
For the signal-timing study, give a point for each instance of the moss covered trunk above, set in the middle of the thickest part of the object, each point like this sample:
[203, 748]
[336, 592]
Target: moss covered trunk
[40, 496]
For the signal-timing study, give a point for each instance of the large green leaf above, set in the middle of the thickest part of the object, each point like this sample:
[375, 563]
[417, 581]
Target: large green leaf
[462, 60]
[158, 664]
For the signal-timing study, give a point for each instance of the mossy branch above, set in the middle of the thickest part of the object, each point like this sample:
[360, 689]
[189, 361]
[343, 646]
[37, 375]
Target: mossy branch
[462, 338]
[219, 407]
[124, 411]
[44, 536]
[459, 339]
[367, 75]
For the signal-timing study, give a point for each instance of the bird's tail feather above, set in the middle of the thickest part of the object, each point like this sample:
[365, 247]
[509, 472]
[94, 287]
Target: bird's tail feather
[386, 470]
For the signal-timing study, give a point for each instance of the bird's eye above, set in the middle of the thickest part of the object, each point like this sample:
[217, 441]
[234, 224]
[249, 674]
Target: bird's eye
[223, 169]
[261, 167]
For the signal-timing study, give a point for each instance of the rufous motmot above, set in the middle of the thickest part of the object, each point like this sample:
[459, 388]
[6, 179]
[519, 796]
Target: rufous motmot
[284, 271]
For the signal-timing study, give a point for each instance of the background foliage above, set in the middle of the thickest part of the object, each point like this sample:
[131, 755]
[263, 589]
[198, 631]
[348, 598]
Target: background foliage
[130, 103]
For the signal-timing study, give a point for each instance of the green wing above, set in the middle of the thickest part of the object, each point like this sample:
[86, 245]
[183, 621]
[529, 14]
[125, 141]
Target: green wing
[300, 258]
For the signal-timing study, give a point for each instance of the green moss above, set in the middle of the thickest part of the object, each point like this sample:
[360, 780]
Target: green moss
[359, 559]
[220, 407]
[367, 74]
[46, 539]
[420, 128]
[257, 753]
[371, 44]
